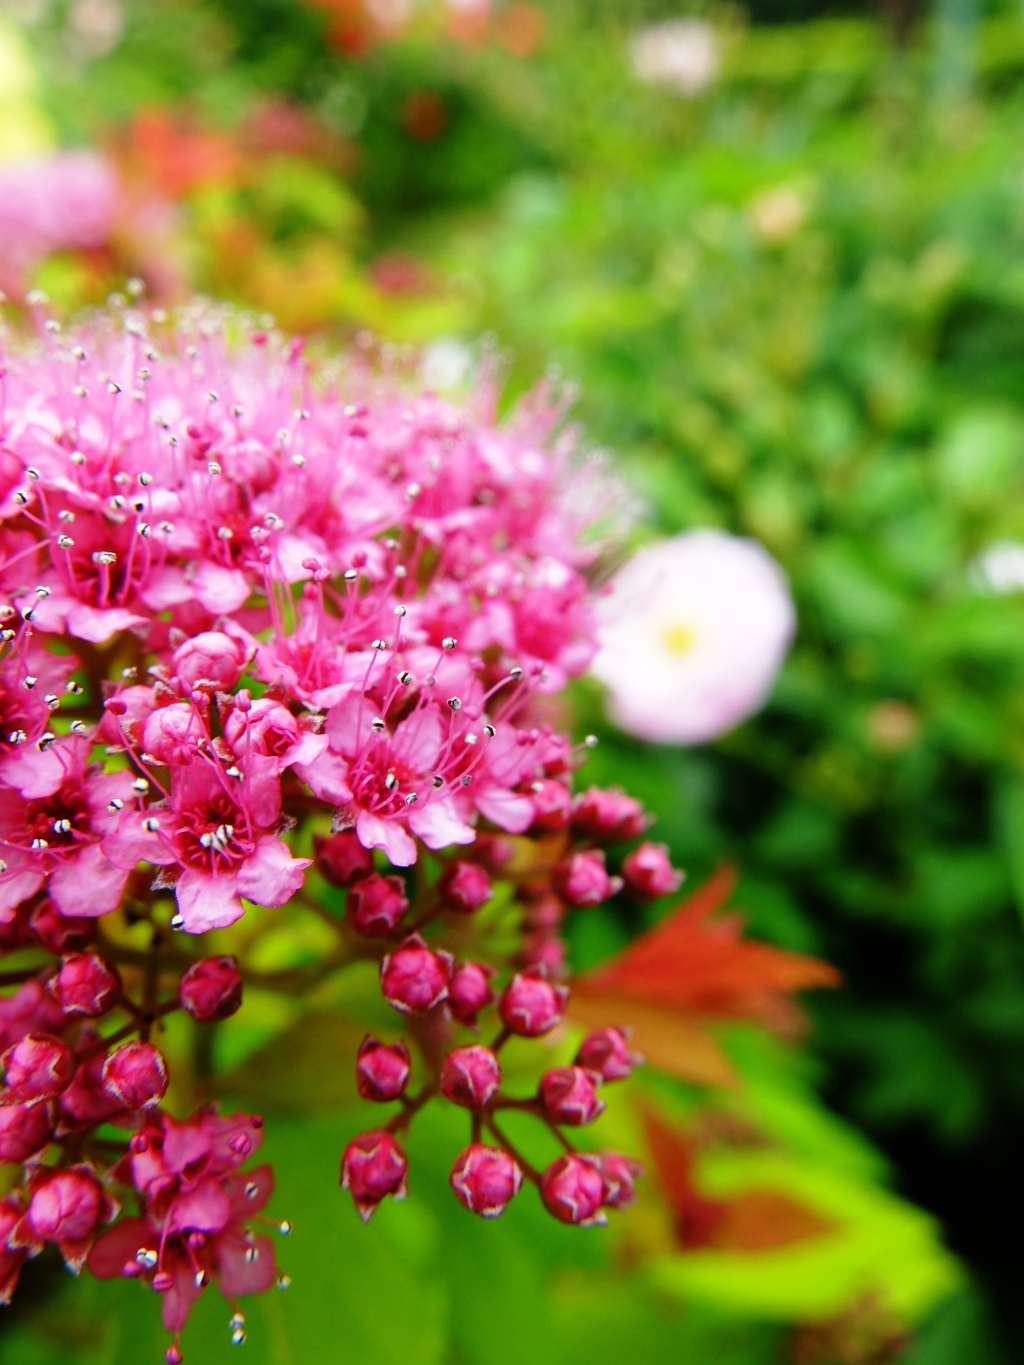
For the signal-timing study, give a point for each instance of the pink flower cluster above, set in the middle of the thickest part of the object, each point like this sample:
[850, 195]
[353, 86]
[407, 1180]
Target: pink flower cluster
[265, 626]
[59, 202]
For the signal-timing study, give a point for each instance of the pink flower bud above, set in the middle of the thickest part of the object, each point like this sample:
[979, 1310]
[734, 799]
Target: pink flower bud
[485, 1179]
[545, 951]
[11, 1258]
[620, 1175]
[86, 1102]
[581, 879]
[608, 816]
[552, 806]
[209, 662]
[67, 1207]
[136, 1075]
[341, 859]
[542, 909]
[470, 1076]
[531, 1005]
[85, 984]
[469, 991]
[376, 904]
[572, 1189]
[39, 1066]
[372, 1167]
[607, 1053]
[60, 933]
[173, 734]
[648, 872]
[569, 1095]
[211, 989]
[414, 978]
[382, 1069]
[492, 851]
[24, 1128]
[464, 887]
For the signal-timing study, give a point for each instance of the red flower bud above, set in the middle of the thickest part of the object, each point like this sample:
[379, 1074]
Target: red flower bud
[545, 951]
[372, 1167]
[11, 1258]
[470, 1076]
[572, 1189]
[85, 984]
[136, 1075]
[608, 816]
[24, 1128]
[61, 933]
[86, 1102]
[414, 978]
[464, 887]
[648, 872]
[552, 806]
[469, 991]
[382, 1069]
[569, 1095]
[582, 879]
[211, 989]
[620, 1175]
[341, 859]
[67, 1207]
[376, 904]
[607, 1052]
[531, 1005]
[38, 1067]
[485, 1179]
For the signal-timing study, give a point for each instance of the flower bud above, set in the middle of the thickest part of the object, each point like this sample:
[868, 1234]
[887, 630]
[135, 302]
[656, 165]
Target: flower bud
[67, 1207]
[582, 880]
[209, 662]
[542, 909]
[11, 1258]
[569, 1095]
[620, 1175]
[376, 904]
[24, 1128]
[607, 1053]
[470, 1076]
[372, 1167]
[211, 989]
[60, 933]
[38, 1067]
[544, 951]
[464, 887]
[469, 991]
[173, 734]
[382, 1069]
[341, 859]
[414, 978]
[552, 806]
[648, 872]
[136, 1075]
[531, 1005]
[485, 1179]
[85, 984]
[608, 816]
[572, 1189]
[86, 1102]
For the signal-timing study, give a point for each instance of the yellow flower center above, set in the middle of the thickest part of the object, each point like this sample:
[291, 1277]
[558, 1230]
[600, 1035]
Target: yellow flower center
[678, 639]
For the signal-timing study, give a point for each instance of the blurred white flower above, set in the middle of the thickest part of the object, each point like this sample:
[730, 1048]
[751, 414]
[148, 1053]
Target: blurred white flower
[999, 568]
[682, 54]
[446, 363]
[778, 214]
[692, 635]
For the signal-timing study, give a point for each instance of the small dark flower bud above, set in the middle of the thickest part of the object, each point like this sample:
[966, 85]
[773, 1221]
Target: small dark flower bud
[485, 1179]
[85, 984]
[469, 991]
[414, 978]
[620, 1175]
[341, 859]
[573, 1190]
[531, 1005]
[607, 1053]
[376, 905]
[211, 989]
[382, 1069]
[136, 1075]
[569, 1095]
[648, 872]
[372, 1167]
[24, 1129]
[464, 887]
[470, 1076]
[552, 806]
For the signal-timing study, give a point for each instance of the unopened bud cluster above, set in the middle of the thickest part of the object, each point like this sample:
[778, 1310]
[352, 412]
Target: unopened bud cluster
[252, 610]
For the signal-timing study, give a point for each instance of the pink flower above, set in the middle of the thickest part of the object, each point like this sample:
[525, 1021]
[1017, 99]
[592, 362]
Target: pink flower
[692, 636]
[54, 203]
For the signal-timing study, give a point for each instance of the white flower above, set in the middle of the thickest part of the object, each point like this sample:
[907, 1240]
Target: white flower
[682, 54]
[693, 633]
[999, 568]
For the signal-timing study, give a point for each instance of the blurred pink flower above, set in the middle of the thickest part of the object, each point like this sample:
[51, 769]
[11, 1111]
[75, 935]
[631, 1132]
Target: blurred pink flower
[53, 203]
[694, 631]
